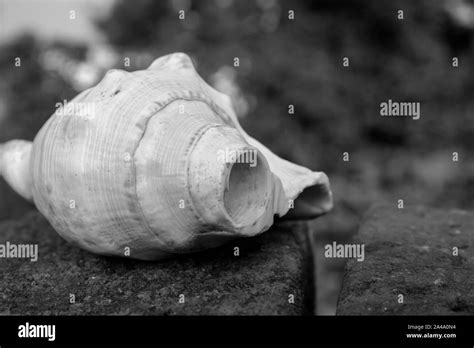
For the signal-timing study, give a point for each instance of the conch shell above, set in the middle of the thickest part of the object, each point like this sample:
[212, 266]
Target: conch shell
[156, 164]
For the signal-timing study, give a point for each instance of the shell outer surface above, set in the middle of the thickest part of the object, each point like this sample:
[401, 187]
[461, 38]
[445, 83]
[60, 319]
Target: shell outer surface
[120, 174]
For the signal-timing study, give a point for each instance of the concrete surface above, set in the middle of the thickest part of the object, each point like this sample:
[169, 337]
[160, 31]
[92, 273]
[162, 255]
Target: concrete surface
[258, 282]
[410, 252]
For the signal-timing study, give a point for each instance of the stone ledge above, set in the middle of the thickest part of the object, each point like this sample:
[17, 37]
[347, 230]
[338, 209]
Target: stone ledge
[410, 252]
[215, 282]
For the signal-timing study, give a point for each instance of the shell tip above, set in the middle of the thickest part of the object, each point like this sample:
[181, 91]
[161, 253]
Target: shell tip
[174, 61]
[15, 166]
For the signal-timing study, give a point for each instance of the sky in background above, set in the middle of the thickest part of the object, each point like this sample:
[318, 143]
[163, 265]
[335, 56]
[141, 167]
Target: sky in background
[50, 19]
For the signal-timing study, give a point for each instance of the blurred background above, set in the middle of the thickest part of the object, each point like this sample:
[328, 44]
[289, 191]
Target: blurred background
[66, 46]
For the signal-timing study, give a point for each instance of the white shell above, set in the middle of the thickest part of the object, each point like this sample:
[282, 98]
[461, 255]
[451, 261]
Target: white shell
[142, 174]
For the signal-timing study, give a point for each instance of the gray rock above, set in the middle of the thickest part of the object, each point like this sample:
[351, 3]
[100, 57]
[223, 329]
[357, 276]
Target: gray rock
[215, 282]
[409, 252]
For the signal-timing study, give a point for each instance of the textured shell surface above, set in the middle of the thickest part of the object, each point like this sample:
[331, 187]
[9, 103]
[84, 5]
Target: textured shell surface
[138, 174]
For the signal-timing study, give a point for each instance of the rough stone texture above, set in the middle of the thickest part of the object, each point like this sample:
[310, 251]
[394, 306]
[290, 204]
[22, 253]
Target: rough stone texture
[258, 282]
[410, 252]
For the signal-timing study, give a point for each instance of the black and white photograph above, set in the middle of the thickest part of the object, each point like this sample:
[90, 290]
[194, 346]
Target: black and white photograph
[304, 165]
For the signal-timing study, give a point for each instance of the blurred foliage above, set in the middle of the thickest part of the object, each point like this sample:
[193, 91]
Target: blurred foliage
[299, 62]
[30, 93]
[336, 108]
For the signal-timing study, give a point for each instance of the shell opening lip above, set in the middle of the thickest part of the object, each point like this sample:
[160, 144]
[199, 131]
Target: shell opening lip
[247, 190]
